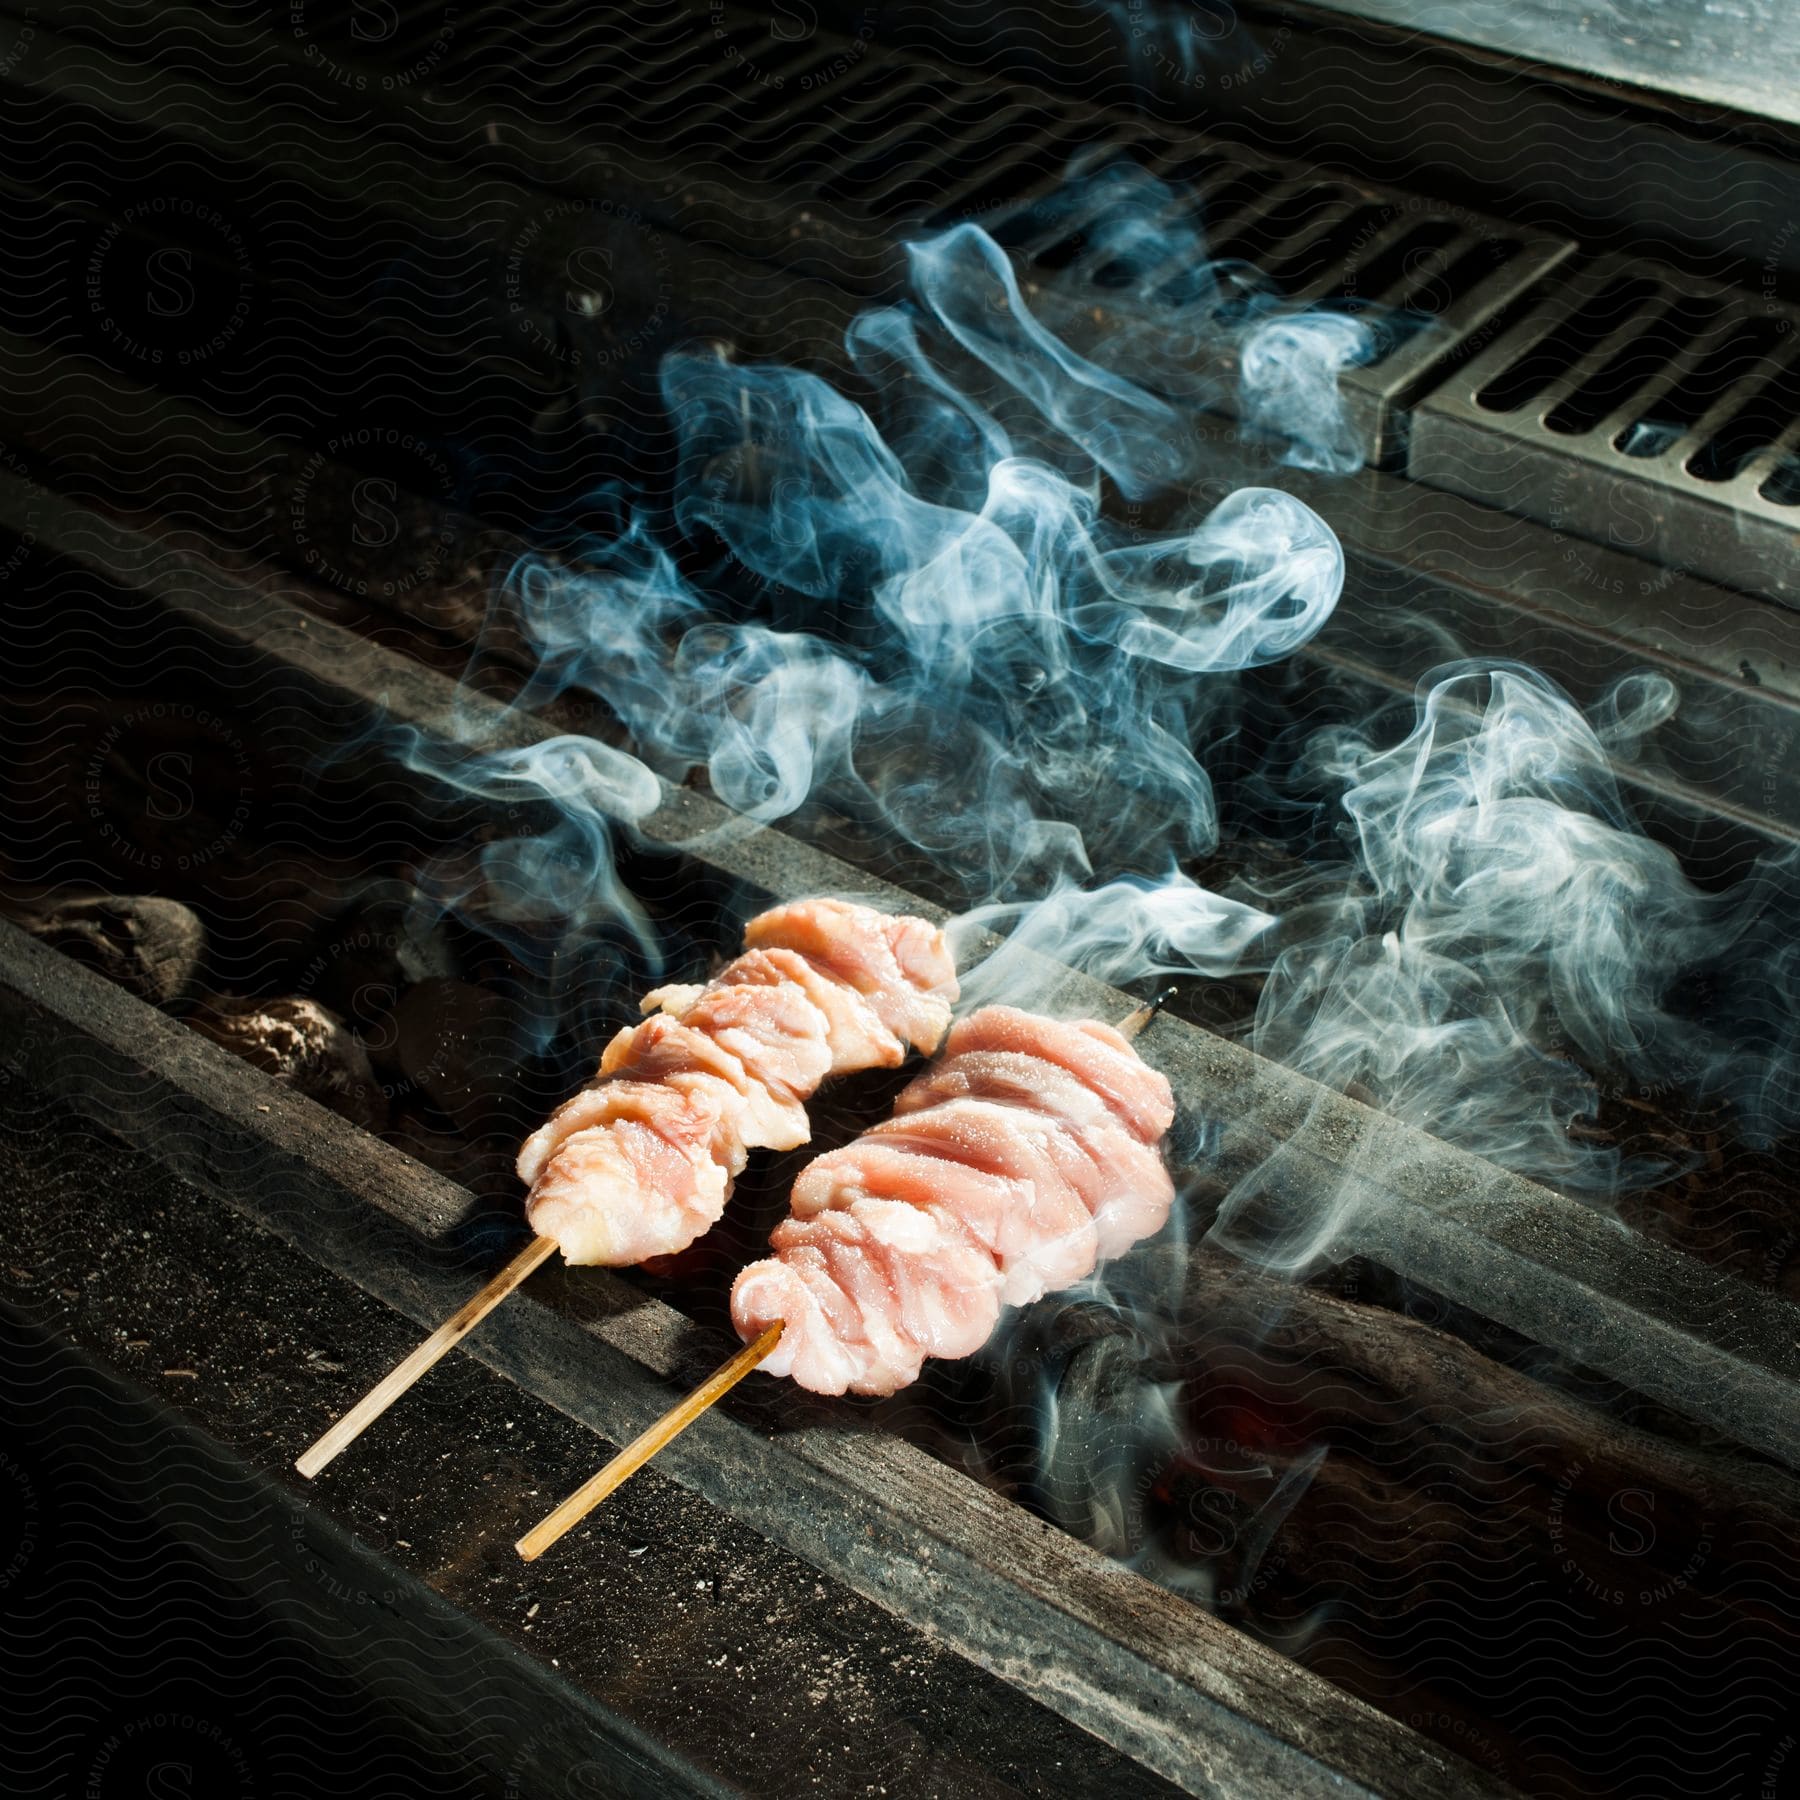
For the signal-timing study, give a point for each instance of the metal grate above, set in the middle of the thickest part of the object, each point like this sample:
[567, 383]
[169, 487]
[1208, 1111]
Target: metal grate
[1612, 399]
[1442, 277]
[1637, 406]
[892, 140]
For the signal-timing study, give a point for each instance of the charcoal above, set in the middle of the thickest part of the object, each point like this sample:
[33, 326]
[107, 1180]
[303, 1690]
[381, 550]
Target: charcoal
[299, 1042]
[150, 946]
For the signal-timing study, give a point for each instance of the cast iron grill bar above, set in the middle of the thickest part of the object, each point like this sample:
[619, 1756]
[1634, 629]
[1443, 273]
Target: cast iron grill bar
[813, 135]
[1750, 391]
[658, 109]
[1028, 158]
[1410, 527]
[1728, 395]
[499, 28]
[835, 239]
[1758, 472]
[1638, 318]
[1382, 240]
[1673, 1329]
[699, 121]
[1262, 231]
[1091, 261]
[1233, 194]
[1299, 246]
[821, 149]
[1415, 275]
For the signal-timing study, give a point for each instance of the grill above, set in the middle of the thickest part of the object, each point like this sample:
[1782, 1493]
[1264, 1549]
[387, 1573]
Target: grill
[324, 317]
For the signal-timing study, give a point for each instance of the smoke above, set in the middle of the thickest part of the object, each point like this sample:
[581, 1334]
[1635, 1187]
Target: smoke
[1181, 46]
[904, 610]
[544, 885]
[1021, 691]
[1181, 332]
[978, 664]
[1122, 933]
[1505, 937]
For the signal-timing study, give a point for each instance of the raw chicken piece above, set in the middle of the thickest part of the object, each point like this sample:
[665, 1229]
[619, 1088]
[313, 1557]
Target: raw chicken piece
[992, 1210]
[774, 1031]
[654, 1192]
[1094, 1053]
[902, 966]
[1121, 1178]
[1019, 1160]
[682, 1117]
[662, 1047]
[868, 1293]
[853, 1028]
[1048, 1239]
[674, 999]
[641, 1162]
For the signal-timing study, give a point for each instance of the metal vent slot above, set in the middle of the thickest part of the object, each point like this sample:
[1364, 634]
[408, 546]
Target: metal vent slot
[1224, 199]
[1756, 425]
[779, 131]
[649, 70]
[830, 172]
[910, 173]
[1585, 329]
[535, 48]
[993, 161]
[883, 103]
[1027, 224]
[1637, 401]
[1320, 257]
[670, 99]
[1448, 276]
[1066, 251]
[1025, 167]
[1633, 366]
[1713, 365]
[1256, 238]
[1783, 487]
[1184, 169]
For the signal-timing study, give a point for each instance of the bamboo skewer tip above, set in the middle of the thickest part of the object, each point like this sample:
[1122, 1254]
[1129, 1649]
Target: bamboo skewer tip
[432, 1351]
[1135, 1023]
[645, 1445]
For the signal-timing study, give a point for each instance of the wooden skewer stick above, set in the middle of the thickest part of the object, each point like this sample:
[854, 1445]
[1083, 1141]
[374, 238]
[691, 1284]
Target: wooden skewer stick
[685, 1411]
[1130, 1027]
[447, 1336]
[645, 1445]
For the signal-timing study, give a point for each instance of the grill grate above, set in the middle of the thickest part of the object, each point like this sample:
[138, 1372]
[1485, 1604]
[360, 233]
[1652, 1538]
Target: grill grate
[1613, 399]
[1443, 276]
[859, 141]
[1637, 406]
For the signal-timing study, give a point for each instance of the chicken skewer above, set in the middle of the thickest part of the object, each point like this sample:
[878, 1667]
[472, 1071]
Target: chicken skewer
[641, 1162]
[1044, 1138]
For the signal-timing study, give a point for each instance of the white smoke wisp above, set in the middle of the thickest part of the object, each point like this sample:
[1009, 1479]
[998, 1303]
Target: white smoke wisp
[1024, 684]
[544, 883]
[1506, 934]
[1166, 332]
[1124, 933]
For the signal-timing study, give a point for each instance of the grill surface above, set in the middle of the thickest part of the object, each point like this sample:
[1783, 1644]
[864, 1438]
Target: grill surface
[1588, 423]
[423, 282]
